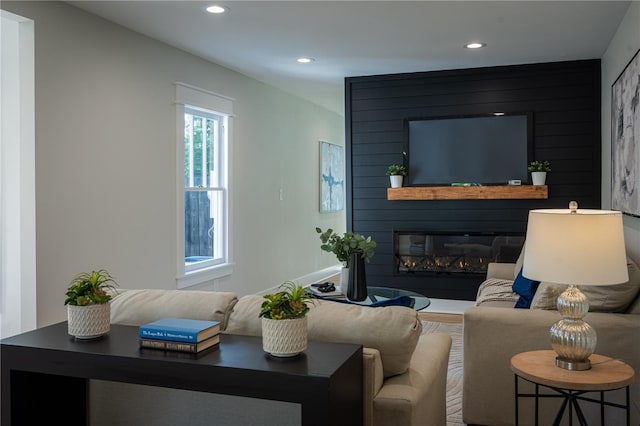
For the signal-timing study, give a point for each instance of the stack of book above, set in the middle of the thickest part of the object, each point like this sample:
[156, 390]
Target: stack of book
[180, 334]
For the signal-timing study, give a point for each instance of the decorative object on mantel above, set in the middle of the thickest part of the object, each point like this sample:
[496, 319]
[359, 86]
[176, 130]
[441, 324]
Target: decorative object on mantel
[539, 171]
[396, 175]
[575, 247]
[284, 320]
[88, 308]
[344, 246]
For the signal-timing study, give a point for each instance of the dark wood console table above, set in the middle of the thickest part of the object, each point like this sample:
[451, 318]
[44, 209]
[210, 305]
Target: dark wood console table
[45, 374]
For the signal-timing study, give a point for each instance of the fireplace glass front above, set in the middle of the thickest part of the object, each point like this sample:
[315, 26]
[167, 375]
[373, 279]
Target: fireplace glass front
[451, 253]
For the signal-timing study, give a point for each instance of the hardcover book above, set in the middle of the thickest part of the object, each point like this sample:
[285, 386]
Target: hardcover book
[179, 330]
[169, 345]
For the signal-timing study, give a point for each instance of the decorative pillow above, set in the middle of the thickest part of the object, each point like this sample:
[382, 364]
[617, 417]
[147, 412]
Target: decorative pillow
[606, 298]
[547, 295]
[526, 288]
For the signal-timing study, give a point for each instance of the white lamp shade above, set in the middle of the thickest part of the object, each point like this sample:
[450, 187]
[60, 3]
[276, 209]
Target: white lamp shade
[581, 248]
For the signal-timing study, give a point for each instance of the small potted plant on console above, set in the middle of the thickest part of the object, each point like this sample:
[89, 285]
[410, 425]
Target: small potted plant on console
[539, 171]
[88, 308]
[396, 174]
[284, 320]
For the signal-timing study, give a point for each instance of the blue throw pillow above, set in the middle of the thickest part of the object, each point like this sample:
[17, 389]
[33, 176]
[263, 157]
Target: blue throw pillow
[526, 288]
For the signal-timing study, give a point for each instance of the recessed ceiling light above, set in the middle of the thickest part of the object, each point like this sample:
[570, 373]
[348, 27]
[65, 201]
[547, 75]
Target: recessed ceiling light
[475, 45]
[498, 114]
[216, 9]
[305, 60]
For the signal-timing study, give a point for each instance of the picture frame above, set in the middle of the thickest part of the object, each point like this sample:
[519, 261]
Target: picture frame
[331, 177]
[625, 139]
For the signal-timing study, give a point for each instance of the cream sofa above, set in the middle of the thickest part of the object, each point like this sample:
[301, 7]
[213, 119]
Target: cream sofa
[494, 331]
[404, 380]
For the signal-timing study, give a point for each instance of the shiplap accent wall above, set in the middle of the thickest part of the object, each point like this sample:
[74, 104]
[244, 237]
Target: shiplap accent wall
[564, 98]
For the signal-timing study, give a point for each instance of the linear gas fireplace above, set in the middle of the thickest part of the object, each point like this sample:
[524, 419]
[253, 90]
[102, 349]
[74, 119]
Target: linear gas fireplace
[452, 253]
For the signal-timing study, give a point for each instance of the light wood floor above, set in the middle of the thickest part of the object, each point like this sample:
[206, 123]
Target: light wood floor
[437, 317]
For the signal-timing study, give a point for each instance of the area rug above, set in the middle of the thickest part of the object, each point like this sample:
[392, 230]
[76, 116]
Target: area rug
[454, 374]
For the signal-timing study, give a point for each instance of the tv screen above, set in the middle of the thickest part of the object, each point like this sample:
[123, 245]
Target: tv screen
[485, 150]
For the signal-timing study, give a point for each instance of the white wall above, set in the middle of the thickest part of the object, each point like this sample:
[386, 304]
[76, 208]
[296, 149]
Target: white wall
[106, 161]
[623, 46]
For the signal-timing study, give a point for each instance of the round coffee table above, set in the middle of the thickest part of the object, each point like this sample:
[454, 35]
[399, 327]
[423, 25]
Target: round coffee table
[379, 294]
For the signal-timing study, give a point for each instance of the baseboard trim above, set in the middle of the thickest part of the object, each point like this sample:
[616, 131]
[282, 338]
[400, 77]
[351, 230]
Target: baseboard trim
[305, 280]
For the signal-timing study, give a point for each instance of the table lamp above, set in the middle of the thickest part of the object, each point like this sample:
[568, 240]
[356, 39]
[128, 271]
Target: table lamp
[574, 247]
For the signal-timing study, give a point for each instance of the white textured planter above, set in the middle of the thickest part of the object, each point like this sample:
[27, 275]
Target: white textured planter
[284, 338]
[89, 322]
[396, 181]
[538, 178]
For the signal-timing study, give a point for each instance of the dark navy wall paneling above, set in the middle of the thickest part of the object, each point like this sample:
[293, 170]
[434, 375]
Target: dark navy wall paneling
[564, 98]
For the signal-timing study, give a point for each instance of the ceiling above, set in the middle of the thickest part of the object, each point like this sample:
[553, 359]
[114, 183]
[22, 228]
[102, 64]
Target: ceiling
[262, 39]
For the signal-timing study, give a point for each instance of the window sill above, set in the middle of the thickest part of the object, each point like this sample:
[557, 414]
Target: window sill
[200, 276]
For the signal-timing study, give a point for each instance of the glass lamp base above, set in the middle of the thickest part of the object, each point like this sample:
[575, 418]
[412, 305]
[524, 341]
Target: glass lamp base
[573, 339]
[572, 364]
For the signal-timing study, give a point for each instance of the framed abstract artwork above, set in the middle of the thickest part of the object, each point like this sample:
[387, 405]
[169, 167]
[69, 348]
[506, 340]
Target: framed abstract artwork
[625, 139]
[331, 177]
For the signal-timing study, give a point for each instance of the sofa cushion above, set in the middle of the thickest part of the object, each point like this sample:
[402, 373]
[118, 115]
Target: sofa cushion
[137, 307]
[392, 330]
[608, 298]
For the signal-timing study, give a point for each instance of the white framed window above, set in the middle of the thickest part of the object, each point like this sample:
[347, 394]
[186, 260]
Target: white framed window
[204, 120]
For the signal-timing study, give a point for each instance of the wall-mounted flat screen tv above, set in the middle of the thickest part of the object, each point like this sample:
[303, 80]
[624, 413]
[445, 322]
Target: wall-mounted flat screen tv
[486, 150]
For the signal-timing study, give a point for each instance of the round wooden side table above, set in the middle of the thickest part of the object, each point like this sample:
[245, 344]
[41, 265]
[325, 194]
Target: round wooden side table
[606, 374]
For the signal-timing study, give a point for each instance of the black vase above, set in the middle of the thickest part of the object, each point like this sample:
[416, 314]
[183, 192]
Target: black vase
[357, 287]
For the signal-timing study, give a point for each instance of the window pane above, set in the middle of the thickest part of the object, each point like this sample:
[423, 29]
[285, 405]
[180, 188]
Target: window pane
[204, 240]
[201, 139]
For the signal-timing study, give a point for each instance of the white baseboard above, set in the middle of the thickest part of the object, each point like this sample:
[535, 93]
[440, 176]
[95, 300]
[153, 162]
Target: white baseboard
[448, 306]
[313, 277]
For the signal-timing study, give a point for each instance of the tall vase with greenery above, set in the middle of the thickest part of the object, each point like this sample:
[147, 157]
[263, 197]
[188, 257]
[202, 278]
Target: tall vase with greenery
[349, 247]
[284, 320]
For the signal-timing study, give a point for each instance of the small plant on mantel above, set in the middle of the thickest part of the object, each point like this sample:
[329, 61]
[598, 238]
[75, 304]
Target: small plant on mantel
[396, 170]
[539, 166]
[343, 246]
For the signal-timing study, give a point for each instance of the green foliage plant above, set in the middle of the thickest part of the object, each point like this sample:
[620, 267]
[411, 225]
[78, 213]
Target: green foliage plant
[396, 170]
[90, 288]
[289, 303]
[343, 246]
[539, 166]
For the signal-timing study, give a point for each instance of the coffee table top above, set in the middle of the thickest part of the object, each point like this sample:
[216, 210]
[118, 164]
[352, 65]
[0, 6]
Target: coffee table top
[379, 294]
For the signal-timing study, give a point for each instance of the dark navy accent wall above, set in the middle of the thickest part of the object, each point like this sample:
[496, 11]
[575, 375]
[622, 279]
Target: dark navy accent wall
[564, 100]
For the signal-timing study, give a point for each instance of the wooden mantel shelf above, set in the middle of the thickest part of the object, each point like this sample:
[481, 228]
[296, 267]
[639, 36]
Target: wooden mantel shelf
[497, 192]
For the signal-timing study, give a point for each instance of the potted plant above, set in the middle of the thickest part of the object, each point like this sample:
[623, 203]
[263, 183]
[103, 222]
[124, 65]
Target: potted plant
[353, 250]
[539, 171]
[284, 320]
[88, 309]
[396, 174]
